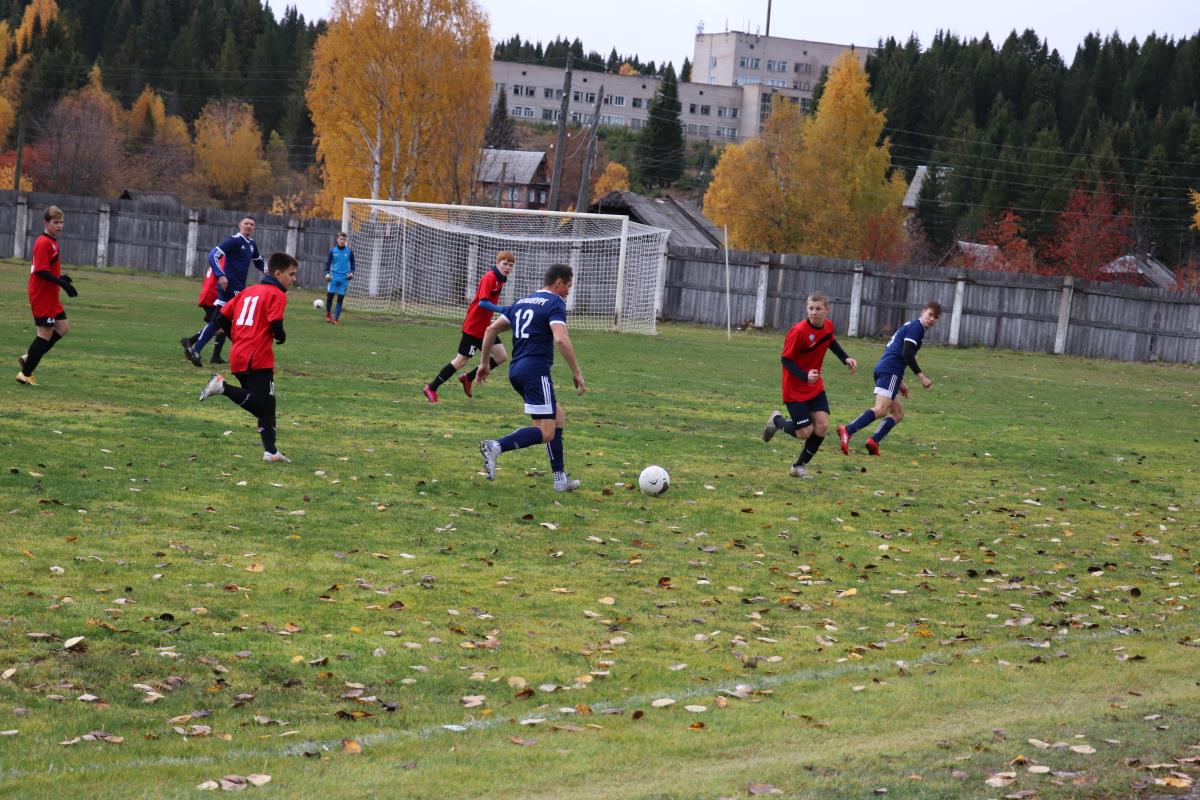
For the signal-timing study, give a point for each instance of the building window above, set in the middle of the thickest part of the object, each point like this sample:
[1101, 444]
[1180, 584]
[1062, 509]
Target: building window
[618, 100]
[636, 123]
[805, 104]
[517, 89]
[691, 108]
[514, 194]
[778, 83]
[576, 95]
[770, 65]
[531, 91]
[702, 130]
[756, 63]
[712, 61]
[548, 94]
[637, 102]
[706, 111]
[743, 62]
[550, 114]
[748, 80]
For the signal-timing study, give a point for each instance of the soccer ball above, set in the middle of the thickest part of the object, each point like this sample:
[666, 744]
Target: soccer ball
[318, 303]
[654, 480]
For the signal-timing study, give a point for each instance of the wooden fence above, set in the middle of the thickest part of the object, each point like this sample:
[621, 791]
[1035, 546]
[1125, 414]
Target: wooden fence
[993, 309]
[156, 237]
[1021, 312]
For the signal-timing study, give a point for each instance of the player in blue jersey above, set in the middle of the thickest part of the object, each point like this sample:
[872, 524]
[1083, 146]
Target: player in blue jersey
[901, 352]
[539, 324]
[230, 261]
[339, 271]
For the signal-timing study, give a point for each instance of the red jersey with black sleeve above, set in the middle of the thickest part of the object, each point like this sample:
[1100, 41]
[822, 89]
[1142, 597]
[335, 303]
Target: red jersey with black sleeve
[208, 290]
[250, 315]
[805, 347]
[489, 289]
[43, 295]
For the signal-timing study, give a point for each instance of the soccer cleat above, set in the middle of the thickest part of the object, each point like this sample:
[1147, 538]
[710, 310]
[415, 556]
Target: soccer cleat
[465, 380]
[21, 360]
[872, 447]
[28, 380]
[329, 318]
[215, 386]
[798, 471]
[843, 439]
[565, 484]
[769, 429]
[276, 458]
[216, 359]
[490, 450]
[335, 321]
[188, 353]
[430, 394]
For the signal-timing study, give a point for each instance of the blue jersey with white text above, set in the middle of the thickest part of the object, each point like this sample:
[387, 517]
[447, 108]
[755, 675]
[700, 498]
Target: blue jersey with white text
[239, 252]
[531, 319]
[892, 361]
[341, 263]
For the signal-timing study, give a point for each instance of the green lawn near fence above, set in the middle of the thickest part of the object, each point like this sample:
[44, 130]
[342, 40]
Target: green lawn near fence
[1007, 594]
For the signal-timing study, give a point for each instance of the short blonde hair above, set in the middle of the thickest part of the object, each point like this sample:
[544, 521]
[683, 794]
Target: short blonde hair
[52, 213]
[819, 297]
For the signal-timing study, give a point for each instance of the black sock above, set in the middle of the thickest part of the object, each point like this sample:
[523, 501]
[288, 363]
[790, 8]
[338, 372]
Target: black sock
[37, 349]
[811, 445]
[446, 374]
[54, 337]
[785, 425]
[218, 343]
[329, 304]
[492, 364]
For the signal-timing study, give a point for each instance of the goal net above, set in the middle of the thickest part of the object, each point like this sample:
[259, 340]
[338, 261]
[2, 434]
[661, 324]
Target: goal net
[424, 259]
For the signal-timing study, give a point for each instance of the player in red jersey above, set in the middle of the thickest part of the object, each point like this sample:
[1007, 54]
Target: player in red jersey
[803, 389]
[252, 320]
[45, 279]
[208, 302]
[479, 316]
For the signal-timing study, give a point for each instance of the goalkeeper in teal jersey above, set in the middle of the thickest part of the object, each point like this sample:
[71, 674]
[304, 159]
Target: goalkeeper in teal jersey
[339, 271]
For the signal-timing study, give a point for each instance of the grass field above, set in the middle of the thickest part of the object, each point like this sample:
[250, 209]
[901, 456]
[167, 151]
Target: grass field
[1008, 594]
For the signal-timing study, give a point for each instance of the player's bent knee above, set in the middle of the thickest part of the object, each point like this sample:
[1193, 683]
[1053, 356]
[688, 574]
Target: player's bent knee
[820, 428]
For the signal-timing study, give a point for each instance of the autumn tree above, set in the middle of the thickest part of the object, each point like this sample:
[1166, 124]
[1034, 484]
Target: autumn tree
[79, 149]
[614, 179]
[1196, 204]
[229, 152]
[1001, 246]
[1089, 233]
[821, 185]
[158, 144]
[399, 94]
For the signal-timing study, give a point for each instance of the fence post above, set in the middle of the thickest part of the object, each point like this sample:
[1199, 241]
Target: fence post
[760, 300]
[660, 288]
[105, 218]
[1064, 315]
[960, 286]
[22, 226]
[193, 236]
[856, 293]
[293, 237]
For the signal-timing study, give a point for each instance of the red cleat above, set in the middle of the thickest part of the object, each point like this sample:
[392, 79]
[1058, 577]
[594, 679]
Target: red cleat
[872, 447]
[465, 380]
[329, 318]
[430, 394]
[843, 439]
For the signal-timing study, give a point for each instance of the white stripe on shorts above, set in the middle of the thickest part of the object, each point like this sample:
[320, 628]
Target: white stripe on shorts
[546, 407]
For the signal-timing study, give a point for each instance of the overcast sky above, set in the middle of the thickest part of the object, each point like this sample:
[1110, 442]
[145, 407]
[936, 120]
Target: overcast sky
[661, 30]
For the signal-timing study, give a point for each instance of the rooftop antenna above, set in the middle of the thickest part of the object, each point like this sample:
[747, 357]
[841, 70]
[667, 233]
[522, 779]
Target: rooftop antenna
[768, 17]
[700, 27]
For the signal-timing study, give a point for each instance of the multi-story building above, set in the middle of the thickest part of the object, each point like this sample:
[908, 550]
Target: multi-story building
[735, 77]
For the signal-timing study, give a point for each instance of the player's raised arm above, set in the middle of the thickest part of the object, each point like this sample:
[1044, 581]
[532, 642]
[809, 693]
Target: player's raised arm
[563, 341]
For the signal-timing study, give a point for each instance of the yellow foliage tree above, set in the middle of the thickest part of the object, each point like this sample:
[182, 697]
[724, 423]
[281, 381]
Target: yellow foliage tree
[1196, 203]
[627, 69]
[6, 179]
[399, 98]
[229, 154]
[149, 122]
[17, 43]
[614, 179]
[818, 185]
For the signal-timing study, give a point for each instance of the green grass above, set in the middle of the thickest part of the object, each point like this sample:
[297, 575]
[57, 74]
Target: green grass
[1020, 564]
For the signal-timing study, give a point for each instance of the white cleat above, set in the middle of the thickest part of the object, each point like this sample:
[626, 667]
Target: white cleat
[215, 386]
[490, 450]
[769, 429]
[276, 457]
[798, 471]
[565, 484]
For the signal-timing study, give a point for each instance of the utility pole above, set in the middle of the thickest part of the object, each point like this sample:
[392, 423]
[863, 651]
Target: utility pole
[500, 186]
[768, 17]
[585, 183]
[561, 147]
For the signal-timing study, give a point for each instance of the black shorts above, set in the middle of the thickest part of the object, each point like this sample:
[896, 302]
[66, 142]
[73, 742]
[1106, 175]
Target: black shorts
[208, 312]
[468, 345]
[802, 411]
[48, 322]
[257, 381]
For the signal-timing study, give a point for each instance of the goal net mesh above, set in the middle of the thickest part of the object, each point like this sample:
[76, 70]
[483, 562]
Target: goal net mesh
[420, 259]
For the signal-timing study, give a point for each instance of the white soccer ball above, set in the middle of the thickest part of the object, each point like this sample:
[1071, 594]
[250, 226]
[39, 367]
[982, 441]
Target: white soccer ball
[318, 303]
[654, 480]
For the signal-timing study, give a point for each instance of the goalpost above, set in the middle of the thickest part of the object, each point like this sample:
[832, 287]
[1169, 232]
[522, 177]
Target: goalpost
[426, 259]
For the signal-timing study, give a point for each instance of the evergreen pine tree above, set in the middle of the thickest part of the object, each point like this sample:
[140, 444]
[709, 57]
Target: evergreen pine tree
[660, 150]
[501, 132]
[685, 72]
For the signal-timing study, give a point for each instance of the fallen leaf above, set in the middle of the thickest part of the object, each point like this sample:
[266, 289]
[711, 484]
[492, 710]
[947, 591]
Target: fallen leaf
[351, 746]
